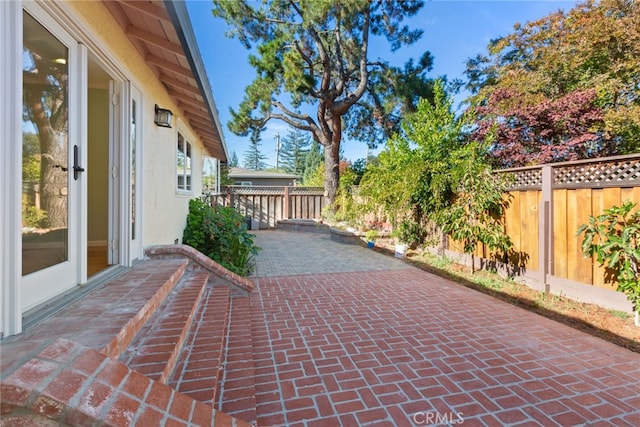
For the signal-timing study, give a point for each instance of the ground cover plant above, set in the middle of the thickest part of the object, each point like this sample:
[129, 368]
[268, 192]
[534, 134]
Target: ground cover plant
[221, 234]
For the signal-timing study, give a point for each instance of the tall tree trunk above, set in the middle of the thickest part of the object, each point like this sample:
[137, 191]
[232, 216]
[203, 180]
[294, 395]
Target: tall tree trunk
[332, 159]
[331, 173]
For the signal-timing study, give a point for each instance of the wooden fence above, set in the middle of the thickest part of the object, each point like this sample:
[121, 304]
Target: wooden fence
[268, 205]
[547, 205]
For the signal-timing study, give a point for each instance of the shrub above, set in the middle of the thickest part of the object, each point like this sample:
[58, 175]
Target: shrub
[411, 233]
[221, 234]
[614, 238]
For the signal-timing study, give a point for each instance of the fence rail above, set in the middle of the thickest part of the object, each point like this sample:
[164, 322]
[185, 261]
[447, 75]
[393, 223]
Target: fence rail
[269, 204]
[547, 205]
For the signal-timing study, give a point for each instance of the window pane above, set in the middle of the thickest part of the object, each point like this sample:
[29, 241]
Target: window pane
[45, 148]
[180, 167]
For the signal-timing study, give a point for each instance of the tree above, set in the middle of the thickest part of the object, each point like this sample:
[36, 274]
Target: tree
[547, 74]
[293, 151]
[233, 163]
[434, 173]
[253, 158]
[563, 129]
[318, 52]
[312, 162]
[613, 237]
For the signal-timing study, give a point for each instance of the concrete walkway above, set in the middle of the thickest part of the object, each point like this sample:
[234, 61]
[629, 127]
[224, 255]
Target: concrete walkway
[343, 335]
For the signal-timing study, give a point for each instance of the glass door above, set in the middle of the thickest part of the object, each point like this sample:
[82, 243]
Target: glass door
[51, 162]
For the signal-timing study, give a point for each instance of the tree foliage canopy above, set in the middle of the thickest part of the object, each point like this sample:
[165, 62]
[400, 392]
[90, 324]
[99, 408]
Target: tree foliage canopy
[293, 151]
[434, 173]
[253, 157]
[317, 52]
[564, 86]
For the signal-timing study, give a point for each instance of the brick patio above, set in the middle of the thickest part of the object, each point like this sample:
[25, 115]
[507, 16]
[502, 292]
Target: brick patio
[333, 334]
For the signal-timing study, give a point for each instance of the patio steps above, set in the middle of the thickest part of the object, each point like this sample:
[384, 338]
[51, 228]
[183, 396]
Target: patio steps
[159, 334]
[199, 368]
[237, 394]
[155, 349]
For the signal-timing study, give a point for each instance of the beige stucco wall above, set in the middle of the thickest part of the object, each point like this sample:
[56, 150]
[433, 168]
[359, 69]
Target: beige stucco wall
[164, 210]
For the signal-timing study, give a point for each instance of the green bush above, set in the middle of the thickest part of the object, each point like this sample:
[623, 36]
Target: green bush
[221, 234]
[411, 233]
[614, 238]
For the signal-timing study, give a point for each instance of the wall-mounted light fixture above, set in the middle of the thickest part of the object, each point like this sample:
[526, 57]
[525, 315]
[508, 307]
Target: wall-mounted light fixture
[163, 117]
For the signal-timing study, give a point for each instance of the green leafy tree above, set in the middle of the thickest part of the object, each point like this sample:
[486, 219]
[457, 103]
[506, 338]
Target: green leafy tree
[614, 239]
[313, 162]
[432, 173]
[567, 82]
[318, 52]
[294, 149]
[253, 158]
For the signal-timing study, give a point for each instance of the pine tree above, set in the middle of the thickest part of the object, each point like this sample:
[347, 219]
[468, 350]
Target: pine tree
[295, 146]
[233, 163]
[312, 161]
[253, 158]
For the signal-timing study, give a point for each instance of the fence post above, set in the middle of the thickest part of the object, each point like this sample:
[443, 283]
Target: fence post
[286, 212]
[545, 230]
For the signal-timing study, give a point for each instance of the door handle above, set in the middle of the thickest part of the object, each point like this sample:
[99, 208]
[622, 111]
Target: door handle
[76, 168]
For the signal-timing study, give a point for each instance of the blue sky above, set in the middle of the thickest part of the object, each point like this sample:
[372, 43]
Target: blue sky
[453, 32]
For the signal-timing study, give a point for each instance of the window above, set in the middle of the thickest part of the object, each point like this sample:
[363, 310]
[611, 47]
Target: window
[210, 178]
[184, 164]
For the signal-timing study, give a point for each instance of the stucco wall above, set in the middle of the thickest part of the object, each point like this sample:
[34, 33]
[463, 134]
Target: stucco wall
[164, 210]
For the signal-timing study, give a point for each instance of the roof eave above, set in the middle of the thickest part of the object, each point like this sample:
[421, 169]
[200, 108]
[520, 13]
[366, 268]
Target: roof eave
[179, 15]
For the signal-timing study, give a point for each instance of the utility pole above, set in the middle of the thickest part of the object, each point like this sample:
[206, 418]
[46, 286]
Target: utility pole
[277, 150]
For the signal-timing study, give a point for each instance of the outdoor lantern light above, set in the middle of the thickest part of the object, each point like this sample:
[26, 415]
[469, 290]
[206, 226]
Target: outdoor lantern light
[163, 117]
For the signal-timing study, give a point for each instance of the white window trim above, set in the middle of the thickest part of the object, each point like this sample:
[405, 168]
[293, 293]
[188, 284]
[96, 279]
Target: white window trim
[190, 142]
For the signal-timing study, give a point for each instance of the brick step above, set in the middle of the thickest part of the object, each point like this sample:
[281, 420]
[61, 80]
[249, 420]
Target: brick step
[269, 406]
[237, 394]
[64, 383]
[199, 366]
[108, 318]
[155, 349]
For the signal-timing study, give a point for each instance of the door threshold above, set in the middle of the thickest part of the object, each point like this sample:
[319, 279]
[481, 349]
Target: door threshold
[47, 309]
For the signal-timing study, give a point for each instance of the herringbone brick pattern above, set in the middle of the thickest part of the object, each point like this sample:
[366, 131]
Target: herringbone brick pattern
[405, 347]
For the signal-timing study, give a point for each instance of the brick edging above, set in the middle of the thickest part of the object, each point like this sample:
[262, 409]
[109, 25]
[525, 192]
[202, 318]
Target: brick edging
[204, 261]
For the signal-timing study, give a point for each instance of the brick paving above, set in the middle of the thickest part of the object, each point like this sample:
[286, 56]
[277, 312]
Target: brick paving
[343, 335]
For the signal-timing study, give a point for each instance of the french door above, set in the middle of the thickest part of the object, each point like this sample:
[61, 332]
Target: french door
[52, 165]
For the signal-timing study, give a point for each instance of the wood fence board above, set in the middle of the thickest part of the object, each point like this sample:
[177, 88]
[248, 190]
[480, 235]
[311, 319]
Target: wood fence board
[597, 206]
[559, 228]
[511, 216]
[583, 271]
[572, 208]
[529, 207]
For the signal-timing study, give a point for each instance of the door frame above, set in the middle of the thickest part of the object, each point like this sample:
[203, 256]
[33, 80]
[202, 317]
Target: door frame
[11, 44]
[11, 162]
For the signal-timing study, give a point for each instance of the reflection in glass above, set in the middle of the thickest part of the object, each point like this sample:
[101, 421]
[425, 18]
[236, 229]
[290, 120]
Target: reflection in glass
[184, 163]
[44, 149]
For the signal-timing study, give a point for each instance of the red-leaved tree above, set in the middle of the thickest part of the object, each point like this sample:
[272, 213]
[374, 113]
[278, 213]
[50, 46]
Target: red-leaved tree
[549, 131]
